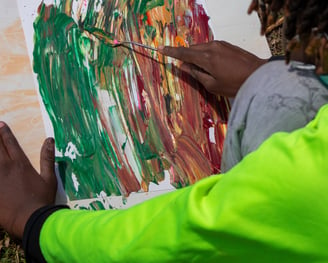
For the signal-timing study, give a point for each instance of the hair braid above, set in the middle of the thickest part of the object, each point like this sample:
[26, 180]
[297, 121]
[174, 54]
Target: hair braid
[274, 8]
[306, 25]
[295, 8]
[309, 19]
[323, 19]
[277, 5]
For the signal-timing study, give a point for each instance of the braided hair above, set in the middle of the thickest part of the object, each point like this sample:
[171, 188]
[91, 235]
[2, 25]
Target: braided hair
[306, 24]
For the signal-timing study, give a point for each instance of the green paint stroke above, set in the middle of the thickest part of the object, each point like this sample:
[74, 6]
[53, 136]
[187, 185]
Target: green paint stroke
[114, 130]
[67, 87]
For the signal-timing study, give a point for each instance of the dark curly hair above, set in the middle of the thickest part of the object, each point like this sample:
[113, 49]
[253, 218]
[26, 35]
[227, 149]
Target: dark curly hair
[306, 23]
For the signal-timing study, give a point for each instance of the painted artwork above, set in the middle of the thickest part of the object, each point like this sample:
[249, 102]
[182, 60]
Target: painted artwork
[124, 117]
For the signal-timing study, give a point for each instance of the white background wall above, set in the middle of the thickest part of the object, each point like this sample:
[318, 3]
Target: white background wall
[230, 22]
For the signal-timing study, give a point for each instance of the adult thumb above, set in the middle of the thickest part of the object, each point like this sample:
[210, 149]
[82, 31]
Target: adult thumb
[47, 163]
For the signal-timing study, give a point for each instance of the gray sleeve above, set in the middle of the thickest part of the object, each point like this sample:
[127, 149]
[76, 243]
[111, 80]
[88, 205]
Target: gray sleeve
[275, 98]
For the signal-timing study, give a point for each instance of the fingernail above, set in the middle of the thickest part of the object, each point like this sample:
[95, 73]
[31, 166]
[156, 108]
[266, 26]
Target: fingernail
[160, 48]
[2, 124]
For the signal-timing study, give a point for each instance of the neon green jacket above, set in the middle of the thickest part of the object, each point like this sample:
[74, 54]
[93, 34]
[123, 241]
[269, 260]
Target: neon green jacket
[271, 207]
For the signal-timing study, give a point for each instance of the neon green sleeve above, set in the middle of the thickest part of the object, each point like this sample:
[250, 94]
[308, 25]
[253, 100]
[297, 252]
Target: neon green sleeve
[272, 207]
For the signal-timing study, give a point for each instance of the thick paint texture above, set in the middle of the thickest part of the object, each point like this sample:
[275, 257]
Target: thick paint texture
[124, 115]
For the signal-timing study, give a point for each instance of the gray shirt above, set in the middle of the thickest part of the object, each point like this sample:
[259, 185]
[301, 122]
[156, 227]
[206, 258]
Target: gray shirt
[276, 97]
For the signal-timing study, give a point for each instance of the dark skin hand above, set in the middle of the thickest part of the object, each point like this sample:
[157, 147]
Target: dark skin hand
[218, 65]
[22, 189]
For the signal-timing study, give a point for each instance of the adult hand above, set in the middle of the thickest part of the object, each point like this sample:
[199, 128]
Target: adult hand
[22, 189]
[218, 65]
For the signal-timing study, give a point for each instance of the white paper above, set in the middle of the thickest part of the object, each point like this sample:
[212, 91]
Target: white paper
[229, 22]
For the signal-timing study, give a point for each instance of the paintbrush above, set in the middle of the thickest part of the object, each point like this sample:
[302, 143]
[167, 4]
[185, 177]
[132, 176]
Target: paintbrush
[110, 40]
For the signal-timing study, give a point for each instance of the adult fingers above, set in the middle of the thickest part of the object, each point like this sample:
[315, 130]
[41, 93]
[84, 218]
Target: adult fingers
[204, 46]
[47, 164]
[185, 54]
[201, 55]
[186, 67]
[10, 143]
[207, 80]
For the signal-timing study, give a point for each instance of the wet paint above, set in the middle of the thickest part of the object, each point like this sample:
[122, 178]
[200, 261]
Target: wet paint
[122, 116]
